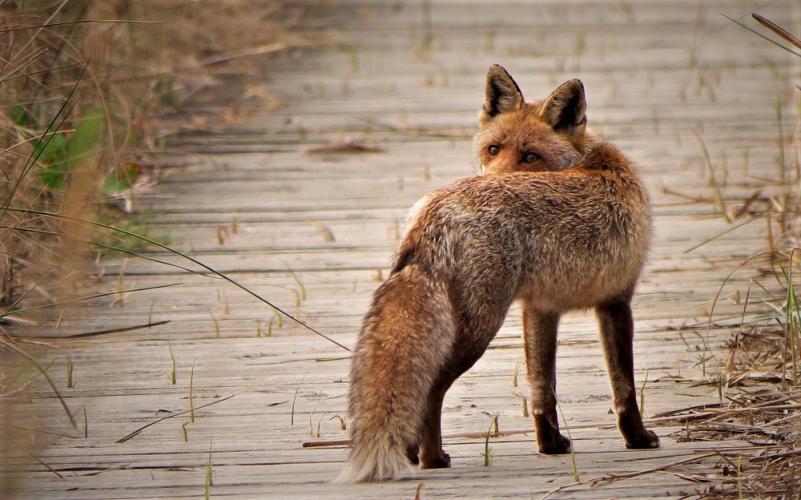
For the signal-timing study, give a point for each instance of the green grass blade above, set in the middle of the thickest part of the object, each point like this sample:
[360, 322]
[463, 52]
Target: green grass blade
[87, 297]
[108, 247]
[50, 126]
[11, 347]
[185, 256]
[757, 33]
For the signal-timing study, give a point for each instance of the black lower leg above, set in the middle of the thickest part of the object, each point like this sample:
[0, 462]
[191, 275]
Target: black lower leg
[540, 330]
[549, 439]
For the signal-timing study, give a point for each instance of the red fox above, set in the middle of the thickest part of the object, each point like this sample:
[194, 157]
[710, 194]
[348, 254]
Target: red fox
[559, 221]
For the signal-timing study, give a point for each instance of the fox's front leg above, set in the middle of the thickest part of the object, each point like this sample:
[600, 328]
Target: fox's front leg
[617, 336]
[539, 333]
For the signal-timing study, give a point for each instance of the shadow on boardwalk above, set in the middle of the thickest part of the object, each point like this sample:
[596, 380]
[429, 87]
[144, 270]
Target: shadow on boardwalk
[314, 233]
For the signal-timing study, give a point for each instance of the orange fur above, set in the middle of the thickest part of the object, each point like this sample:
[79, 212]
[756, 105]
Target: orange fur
[560, 221]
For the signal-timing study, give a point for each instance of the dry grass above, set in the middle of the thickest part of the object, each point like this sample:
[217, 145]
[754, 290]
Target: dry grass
[760, 394]
[88, 89]
[759, 385]
[92, 86]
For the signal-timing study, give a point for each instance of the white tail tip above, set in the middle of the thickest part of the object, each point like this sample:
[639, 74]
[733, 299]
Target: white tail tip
[375, 463]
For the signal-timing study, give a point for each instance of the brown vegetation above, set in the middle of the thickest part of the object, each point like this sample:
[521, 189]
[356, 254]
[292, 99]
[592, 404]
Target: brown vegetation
[87, 89]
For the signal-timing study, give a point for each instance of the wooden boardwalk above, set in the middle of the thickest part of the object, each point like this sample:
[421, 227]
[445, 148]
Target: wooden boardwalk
[314, 232]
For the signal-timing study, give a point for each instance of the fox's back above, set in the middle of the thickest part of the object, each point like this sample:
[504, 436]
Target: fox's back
[566, 240]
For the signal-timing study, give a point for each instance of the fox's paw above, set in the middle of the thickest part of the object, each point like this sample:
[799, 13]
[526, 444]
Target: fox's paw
[556, 445]
[648, 439]
[439, 461]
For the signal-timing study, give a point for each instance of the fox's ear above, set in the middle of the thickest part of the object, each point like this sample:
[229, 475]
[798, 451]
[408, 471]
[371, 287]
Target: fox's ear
[501, 94]
[565, 109]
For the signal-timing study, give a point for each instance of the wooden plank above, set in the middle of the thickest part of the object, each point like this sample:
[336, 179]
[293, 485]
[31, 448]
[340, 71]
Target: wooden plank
[249, 199]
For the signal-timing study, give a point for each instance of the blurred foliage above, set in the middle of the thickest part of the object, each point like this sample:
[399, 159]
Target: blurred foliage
[59, 154]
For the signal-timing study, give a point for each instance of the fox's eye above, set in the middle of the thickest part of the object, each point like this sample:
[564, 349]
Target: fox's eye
[531, 157]
[493, 150]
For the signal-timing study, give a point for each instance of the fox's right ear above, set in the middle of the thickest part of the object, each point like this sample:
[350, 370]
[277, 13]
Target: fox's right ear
[565, 110]
[501, 95]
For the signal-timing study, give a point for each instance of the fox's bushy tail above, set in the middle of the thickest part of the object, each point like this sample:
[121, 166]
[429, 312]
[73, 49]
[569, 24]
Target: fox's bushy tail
[405, 340]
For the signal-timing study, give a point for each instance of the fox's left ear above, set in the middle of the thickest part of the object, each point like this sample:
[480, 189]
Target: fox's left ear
[565, 109]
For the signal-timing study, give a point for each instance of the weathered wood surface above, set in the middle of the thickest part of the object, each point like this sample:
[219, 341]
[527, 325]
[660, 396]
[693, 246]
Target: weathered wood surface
[251, 202]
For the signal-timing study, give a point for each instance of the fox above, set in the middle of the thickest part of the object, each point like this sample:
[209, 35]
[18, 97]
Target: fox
[558, 220]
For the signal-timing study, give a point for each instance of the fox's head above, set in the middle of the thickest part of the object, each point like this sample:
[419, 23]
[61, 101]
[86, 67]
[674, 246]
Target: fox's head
[519, 136]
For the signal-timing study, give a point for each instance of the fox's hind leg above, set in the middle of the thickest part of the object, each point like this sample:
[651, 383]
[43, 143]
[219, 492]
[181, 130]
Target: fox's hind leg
[539, 333]
[432, 456]
[617, 336]
[413, 452]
